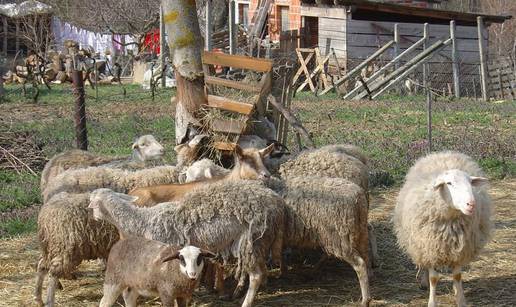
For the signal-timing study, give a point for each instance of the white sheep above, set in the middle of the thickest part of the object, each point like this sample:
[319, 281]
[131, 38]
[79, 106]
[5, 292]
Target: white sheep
[443, 216]
[68, 234]
[242, 221]
[328, 214]
[146, 150]
[91, 178]
[138, 266]
[204, 169]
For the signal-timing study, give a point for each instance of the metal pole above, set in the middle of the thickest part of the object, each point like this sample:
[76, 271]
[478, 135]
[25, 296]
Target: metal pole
[162, 47]
[483, 58]
[208, 42]
[81, 133]
[455, 64]
[233, 30]
[429, 119]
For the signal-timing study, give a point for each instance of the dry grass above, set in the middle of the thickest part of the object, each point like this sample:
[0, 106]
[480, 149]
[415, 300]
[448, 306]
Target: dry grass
[490, 281]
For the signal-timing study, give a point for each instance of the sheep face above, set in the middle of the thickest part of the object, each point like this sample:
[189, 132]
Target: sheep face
[250, 162]
[191, 260]
[456, 188]
[146, 148]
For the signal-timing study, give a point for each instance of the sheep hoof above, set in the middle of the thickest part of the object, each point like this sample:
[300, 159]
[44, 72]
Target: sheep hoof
[238, 293]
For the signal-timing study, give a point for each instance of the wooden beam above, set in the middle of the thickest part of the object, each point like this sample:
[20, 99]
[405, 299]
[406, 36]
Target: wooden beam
[208, 40]
[455, 60]
[483, 59]
[232, 84]
[237, 61]
[227, 126]
[229, 105]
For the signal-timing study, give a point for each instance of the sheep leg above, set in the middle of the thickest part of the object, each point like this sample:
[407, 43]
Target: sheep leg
[130, 297]
[434, 278]
[40, 276]
[255, 279]
[181, 302]
[360, 267]
[457, 286]
[219, 279]
[111, 293]
[239, 289]
[51, 291]
[168, 301]
[423, 280]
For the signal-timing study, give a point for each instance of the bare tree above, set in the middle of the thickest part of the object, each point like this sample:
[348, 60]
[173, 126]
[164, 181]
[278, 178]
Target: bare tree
[182, 27]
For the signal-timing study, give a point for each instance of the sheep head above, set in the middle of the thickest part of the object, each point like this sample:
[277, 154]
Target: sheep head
[456, 188]
[191, 259]
[100, 197]
[249, 163]
[146, 148]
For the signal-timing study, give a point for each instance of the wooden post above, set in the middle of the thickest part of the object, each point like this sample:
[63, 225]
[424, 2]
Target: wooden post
[81, 134]
[232, 28]
[17, 36]
[429, 120]
[208, 41]
[5, 35]
[455, 61]
[396, 48]
[268, 46]
[426, 66]
[162, 48]
[500, 83]
[483, 59]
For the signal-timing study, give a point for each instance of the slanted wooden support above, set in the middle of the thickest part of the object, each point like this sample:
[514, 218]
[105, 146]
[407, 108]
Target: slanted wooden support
[294, 122]
[229, 105]
[401, 73]
[237, 61]
[483, 59]
[455, 60]
[377, 85]
[377, 74]
[359, 67]
[208, 40]
[397, 42]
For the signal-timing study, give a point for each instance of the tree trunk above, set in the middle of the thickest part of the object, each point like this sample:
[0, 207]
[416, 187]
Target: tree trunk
[182, 26]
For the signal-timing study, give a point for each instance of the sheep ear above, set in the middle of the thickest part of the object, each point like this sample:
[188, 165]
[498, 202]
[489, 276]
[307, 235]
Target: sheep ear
[479, 181]
[178, 147]
[266, 151]
[438, 183]
[128, 198]
[208, 254]
[170, 256]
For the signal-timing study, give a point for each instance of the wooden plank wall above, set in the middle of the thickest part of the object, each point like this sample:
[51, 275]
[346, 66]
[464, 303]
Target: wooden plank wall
[365, 37]
[502, 75]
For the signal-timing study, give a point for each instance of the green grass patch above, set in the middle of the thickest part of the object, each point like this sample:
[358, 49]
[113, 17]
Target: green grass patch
[18, 190]
[18, 226]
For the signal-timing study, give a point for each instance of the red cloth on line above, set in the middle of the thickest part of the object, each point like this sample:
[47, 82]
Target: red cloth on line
[151, 42]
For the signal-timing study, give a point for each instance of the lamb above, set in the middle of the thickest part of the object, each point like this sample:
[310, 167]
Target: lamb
[91, 178]
[204, 169]
[145, 150]
[138, 266]
[331, 214]
[239, 220]
[443, 216]
[68, 234]
[248, 165]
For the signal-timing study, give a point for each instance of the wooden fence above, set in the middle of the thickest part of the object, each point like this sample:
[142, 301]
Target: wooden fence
[502, 74]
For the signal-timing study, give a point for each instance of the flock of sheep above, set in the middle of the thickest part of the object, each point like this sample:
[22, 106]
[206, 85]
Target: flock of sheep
[162, 230]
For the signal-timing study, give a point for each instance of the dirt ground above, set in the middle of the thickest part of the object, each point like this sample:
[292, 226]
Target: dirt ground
[489, 281]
